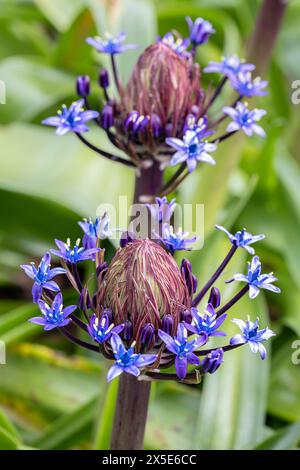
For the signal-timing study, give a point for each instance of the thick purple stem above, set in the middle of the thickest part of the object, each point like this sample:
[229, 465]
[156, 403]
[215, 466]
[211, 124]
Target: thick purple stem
[233, 301]
[133, 395]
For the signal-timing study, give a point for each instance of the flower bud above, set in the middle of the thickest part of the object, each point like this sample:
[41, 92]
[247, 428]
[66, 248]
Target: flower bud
[167, 324]
[107, 116]
[126, 237]
[147, 336]
[214, 297]
[143, 283]
[188, 276]
[127, 332]
[213, 361]
[83, 86]
[163, 83]
[104, 79]
[187, 316]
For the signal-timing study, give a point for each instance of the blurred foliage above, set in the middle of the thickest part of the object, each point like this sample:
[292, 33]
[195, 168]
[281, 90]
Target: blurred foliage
[52, 395]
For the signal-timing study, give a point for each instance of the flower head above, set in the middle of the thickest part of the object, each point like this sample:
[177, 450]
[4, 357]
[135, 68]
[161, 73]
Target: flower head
[101, 329]
[126, 359]
[229, 66]
[192, 150]
[245, 119]
[246, 86]
[162, 210]
[252, 335]
[177, 45]
[142, 284]
[72, 119]
[94, 230]
[55, 316]
[74, 254]
[182, 348]
[109, 44]
[206, 324]
[175, 241]
[256, 280]
[212, 361]
[242, 238]
[42, 276]
[200, 30]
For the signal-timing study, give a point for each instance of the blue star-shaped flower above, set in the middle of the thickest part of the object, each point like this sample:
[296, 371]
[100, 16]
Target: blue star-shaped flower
[127, 360]
[246, 86]
[256, 280]
[94, 230]
[182, 348]
[208, 323]
[200, 30]
[192, 150]
[242, 238]
[100, 329]
[72, 119]
[42, 276]
[229, 66]
[177, 45]
[212, 361]
[245, 119]
[252, 335]
[74, 254]
[175, 241]
[162, 210]
[55, 316]
[109, 44]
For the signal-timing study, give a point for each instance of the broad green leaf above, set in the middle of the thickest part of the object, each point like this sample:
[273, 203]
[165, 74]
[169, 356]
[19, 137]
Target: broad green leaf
[284, 391]
[68, 429]
[6, 424]
[106, 411]
[285, 439]
[60, 12]
[61, 170]
[42, 86]
[7, 440]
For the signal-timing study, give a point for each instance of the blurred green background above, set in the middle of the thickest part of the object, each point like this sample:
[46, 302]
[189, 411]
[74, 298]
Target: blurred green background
[54, 396]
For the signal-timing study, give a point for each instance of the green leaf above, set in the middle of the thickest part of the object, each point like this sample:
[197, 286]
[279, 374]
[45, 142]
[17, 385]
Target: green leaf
[285, 439]
[6, 425]
[61, 13]
[68, 428]
[7, 440]
[106, 412]
[62, 170]
[284, 391]
[42, 86]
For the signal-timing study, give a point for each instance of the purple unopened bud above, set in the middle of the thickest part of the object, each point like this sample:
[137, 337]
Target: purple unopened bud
[169, 130]
[104, 79]
[167, 324]
[101, 269]
[213, 361]
[83, 86]
[189, 277]
[127, 332]
[147, 335]
[187, 316]
[108, 314]
[156, 125]
[107, 116]
[126, 237]
[215, 297]
[200, 30]
[136, 122]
